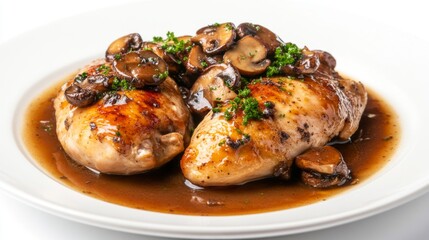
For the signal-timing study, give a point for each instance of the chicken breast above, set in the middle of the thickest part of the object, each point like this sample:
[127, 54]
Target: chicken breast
[125, 132]
[295, 115]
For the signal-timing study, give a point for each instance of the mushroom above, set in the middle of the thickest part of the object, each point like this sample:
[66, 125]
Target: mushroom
[173, 66]
[196, 60]
[178, 56]
[141, 68]
[123, 45]
[80, 97]
[323, 167]
[213, 86]
[312, 61]
[248, 56]
[215, 38]
[268, 38]
[85, 90]
[309, 62]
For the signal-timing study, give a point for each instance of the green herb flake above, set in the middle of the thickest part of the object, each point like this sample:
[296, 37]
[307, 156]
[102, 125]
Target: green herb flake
[251, 110]
[229, 26]
[172, 44]
[222, 142]
[103, 69]
[216, 109]
[118, 56]
[118, 85]
[284, 55]
[163, 75]
[204, 64]
[247, 104]
[245, 92]
[47, 126]
[157, 39]
[81, 77]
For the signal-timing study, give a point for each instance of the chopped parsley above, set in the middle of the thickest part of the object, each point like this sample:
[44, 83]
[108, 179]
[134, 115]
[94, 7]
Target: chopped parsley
[172, 44]
[203, 64]
[47, 126]
[157, 39]
[216, 109]
[251, 110]
[103, 69]
[118, 56]
[249, 105]
[81, 77]
[122, 84]
[229, 26]
[284, 55]
[163, 75]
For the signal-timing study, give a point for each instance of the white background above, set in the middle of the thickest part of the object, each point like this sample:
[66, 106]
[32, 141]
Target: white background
[19, 221]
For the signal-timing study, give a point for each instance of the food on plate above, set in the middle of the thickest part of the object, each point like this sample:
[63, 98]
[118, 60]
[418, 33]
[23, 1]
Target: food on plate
[231, 120]
[260, 132]
[262, 102]
[105, 123]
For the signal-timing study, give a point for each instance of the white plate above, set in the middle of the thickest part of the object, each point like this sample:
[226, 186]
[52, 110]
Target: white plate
[389, 62]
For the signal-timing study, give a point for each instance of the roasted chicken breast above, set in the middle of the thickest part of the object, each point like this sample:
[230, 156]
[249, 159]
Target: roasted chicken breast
[124, 132]
[295, 115]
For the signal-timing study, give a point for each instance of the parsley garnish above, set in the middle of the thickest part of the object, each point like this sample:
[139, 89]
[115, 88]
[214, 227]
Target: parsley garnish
[163, 75]
[284, 55]
[172, 44]
[118, 56]
[103, 69]
[229, 27]
[157, 39]
[203, 64]
[122, 84]
[81, 77]
[245, 102]
[251, 110]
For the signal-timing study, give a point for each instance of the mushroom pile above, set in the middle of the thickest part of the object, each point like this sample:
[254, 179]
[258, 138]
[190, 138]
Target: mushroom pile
[208, 67]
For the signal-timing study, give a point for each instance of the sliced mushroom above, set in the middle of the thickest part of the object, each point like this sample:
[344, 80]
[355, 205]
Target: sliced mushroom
[141, 68]
[323, 167]
[248, 56]
[268, 38]
[215, 38]
[86, 89]
[184, 41]
[173, 66]
[196, 60]
[309, 62]
[212, 87]
[312, 61]
[80, 97]
[130, 42]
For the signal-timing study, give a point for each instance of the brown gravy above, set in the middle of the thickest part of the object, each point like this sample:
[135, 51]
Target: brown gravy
[164, 189]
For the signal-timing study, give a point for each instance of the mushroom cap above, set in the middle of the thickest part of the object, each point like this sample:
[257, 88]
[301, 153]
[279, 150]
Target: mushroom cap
[123, 45]
[80, 97]
[173, 66]
[195, 61]
[215, 38]
[248, 56]
[141, 68]
[213, 86]
[266, 36]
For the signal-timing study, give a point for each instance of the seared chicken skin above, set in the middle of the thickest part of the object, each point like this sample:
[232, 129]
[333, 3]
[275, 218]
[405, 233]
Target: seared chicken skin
[125, 132]
[297, 114]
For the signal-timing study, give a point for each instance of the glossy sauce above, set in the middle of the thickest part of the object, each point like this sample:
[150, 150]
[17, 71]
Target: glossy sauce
[164, 189]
